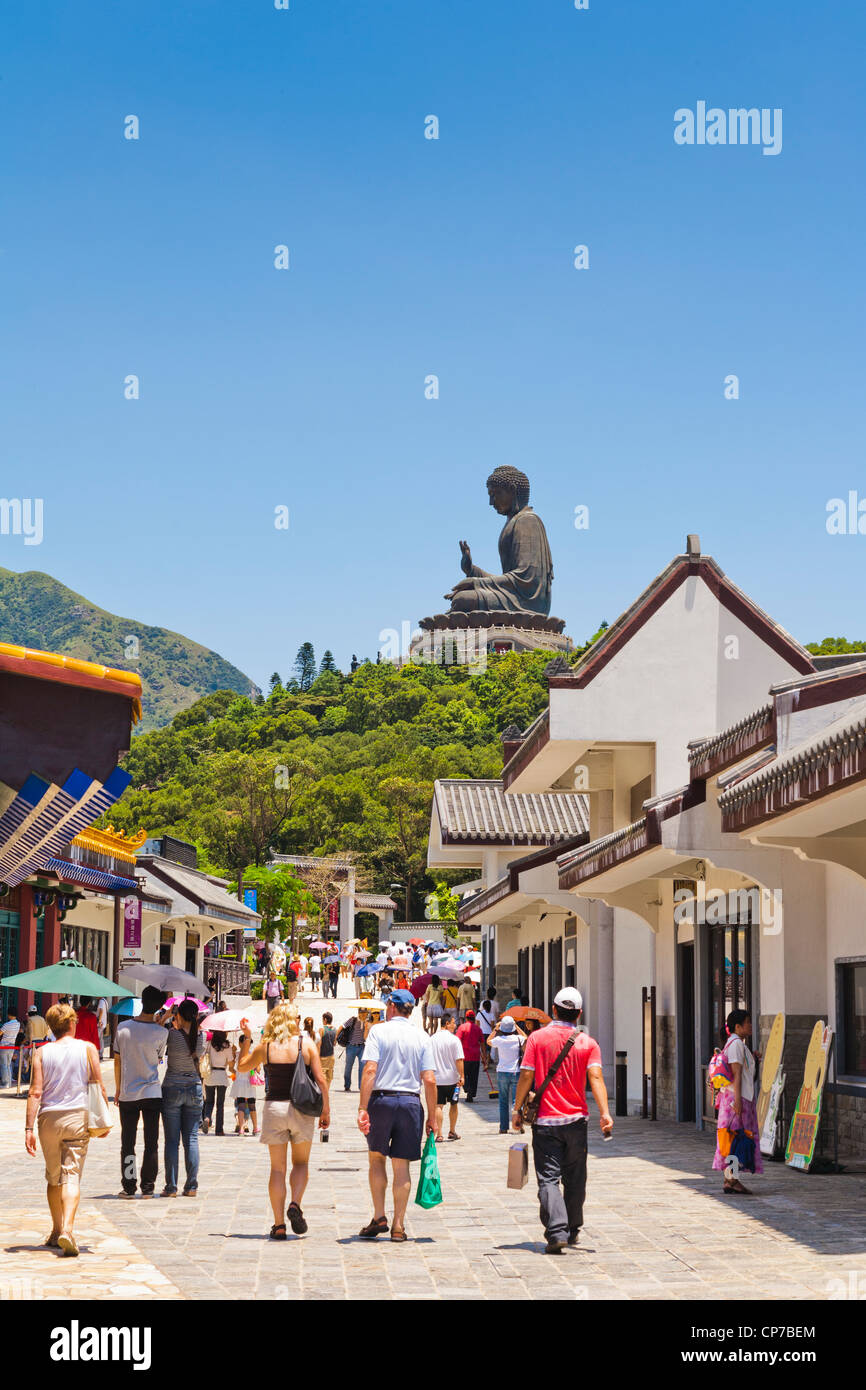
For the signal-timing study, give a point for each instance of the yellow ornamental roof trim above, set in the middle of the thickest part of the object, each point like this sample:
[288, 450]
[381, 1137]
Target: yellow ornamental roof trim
[30, 661]
[113, 842]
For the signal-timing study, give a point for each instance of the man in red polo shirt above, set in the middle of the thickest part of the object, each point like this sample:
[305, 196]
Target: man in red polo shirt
[559, 1134]
[471, 1037]
[86, 1025]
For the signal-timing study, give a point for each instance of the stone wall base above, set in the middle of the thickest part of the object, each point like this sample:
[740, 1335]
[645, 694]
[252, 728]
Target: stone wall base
[506, 978]
[666, 1067]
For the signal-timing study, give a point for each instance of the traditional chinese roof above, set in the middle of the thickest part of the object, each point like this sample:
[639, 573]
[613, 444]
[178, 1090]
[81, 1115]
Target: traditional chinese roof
[53, 666]
[87, 877]
[711, 755]
[479, 811]
[368, 902]
[681, 568]
[823, 763]
[115, 843]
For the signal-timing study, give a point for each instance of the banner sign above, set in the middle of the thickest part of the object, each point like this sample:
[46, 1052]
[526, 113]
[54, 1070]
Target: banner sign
[334, 914]
[131, 923]
[251, 898]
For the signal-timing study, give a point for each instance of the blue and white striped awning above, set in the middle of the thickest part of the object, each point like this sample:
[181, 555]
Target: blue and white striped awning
[90, 878]
[37, 821]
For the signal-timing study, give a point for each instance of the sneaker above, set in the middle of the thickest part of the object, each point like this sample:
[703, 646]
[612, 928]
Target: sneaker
[126, 1196]
[190, 1192]
[296, 1219]
[147, 1194]
[554, 1247]
[168, 1192]
[573, 1237]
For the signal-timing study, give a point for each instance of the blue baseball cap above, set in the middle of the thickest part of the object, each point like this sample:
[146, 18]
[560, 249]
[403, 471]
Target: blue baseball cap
[401, 996]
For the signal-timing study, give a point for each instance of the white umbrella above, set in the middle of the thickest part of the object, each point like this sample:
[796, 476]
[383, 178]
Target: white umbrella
[167, 977]
[447, 969]
[229, 1021]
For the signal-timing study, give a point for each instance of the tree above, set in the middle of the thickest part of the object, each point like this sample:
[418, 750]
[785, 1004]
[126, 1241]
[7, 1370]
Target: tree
[408, 805]
[275, 682]
[328, 663]
[835, 646]
[280, 894]
[305, 665]
[251, 800]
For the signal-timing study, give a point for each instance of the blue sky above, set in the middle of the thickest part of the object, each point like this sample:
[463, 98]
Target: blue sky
[410, 257]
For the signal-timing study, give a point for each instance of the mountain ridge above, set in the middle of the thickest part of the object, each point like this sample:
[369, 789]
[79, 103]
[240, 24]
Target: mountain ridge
[37, 610]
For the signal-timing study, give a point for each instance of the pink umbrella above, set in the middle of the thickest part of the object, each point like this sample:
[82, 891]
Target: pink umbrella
[179, 998]
[319, 945]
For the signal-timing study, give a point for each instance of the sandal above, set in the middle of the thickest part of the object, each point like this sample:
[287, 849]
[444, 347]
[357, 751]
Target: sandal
[275, 1232]
[452, 1137]
[398, 1234]
[377, 1227]
[67, 1243]
[296, 1219]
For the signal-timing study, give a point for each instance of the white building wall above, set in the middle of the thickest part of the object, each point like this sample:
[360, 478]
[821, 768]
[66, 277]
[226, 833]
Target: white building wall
[634, 967]
[691, 670]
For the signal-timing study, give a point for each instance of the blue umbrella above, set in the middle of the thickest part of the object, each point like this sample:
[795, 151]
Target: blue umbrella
[331, 960]
[126, 1008]
[372, 969]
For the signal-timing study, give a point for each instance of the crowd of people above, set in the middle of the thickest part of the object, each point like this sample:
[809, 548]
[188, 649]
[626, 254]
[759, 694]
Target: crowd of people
[172, 1071]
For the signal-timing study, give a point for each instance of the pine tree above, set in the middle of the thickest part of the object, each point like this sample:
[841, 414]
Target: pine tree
[305, 665]
[328, 663]
[275, 681]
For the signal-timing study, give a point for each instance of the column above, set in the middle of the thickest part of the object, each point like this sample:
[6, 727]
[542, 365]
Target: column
[26, 945]
[50, 945]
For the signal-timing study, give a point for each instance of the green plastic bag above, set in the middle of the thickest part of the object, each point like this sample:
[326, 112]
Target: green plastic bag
[429, 1193]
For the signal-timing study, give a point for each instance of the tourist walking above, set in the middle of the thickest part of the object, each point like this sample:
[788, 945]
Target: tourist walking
[36, 1032]
[434, 1004]
[506, 1044]
[556, 1063]
[57, 1103]
[398, 1062]
[737, 1100]
[513, 1000]
[326, 1039]
[102, 1023]
[333, 977]
[486, 1022]
[221, 1056]
[448, 1069]
[8, 1039]
[355, 1035]
[273, 990]
[87, 1024]
[316, 971]
[246, 1088]
[282, 1124]
[182, 1098]
[139, 1047]
[291, 983]
[471, 1038]
[465, 998]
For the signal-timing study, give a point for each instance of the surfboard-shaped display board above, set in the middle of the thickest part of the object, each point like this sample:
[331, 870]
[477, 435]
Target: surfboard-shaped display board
[772, 1086]
[807, 1113]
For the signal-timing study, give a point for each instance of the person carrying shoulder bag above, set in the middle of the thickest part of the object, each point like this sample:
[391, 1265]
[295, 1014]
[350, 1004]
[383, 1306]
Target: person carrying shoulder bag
[557, 1062]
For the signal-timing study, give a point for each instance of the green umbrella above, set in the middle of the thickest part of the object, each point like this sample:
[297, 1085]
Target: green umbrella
[66, 977]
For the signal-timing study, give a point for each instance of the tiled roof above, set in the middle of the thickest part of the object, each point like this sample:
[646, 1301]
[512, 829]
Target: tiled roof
[480, 812]
[825, 761]
[368, 901]
[710, 755]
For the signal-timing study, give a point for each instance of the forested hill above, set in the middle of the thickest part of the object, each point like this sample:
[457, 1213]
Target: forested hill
[351, 759]
[38, 611]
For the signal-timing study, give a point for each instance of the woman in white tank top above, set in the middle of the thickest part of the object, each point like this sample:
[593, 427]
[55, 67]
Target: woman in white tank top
[62, 1072]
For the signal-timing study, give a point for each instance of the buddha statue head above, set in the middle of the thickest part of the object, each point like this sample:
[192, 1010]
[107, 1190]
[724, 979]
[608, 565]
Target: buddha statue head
[508, 489]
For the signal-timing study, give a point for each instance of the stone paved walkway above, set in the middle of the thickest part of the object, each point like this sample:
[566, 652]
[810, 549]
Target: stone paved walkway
[657, 1225]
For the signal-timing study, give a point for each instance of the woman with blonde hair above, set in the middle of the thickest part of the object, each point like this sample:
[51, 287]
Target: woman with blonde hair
[282, 1043]
[62, 1072]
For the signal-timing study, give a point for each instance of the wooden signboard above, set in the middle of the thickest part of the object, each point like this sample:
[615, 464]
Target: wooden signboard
[807, 1112]
[772, 1086]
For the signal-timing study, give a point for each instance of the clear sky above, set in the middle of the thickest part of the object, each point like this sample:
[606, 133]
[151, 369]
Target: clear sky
[410, 257]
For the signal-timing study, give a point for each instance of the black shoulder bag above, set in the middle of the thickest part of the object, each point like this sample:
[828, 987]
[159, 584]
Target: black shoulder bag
[306, 1095]
[532, 1104]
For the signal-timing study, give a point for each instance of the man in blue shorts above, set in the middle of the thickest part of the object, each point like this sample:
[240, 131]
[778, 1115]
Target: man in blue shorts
[398, 1060]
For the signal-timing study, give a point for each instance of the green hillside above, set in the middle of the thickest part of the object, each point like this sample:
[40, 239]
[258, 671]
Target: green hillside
[38, 611]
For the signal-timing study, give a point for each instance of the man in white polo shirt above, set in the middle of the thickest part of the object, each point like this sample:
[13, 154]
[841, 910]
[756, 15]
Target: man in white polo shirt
[397, 1061]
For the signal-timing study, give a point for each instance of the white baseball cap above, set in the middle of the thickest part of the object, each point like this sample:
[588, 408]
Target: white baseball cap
[569, 998]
